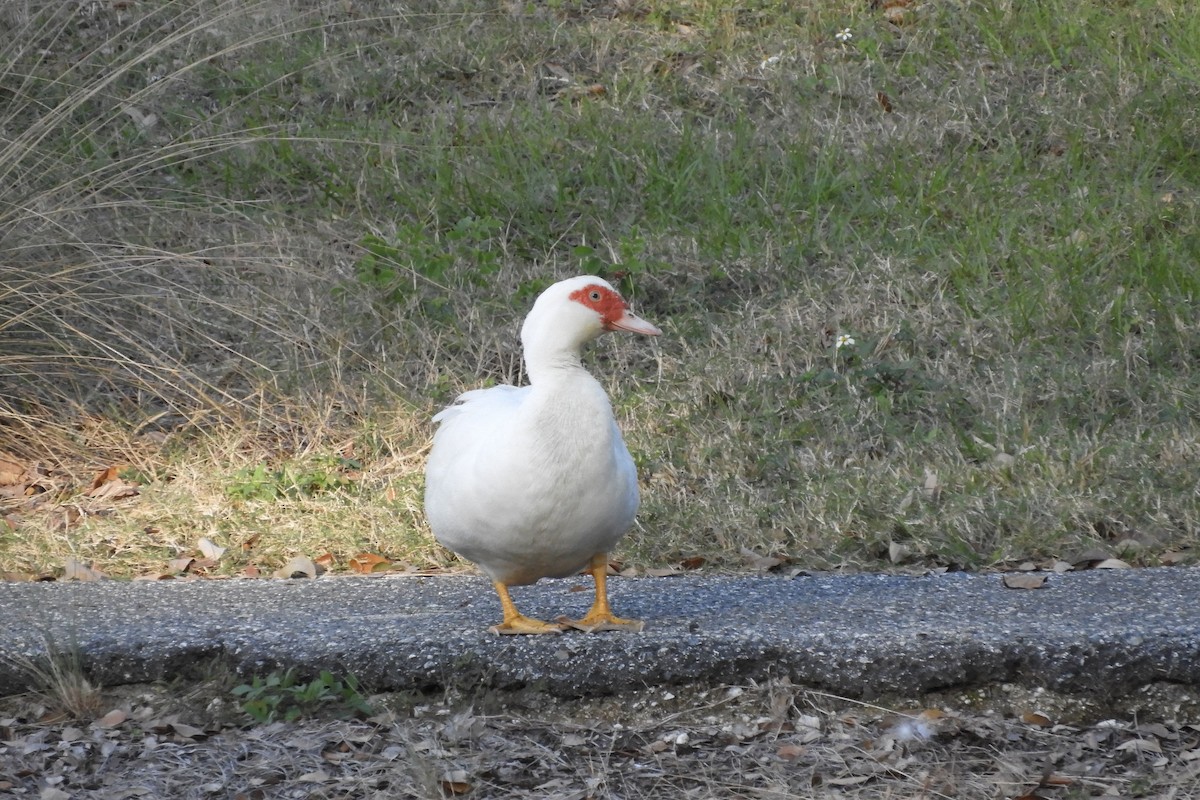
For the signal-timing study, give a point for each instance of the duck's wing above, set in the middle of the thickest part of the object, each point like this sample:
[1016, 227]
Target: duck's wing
[483, 403]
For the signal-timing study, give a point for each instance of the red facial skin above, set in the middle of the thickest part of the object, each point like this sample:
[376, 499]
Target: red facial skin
[604, 301]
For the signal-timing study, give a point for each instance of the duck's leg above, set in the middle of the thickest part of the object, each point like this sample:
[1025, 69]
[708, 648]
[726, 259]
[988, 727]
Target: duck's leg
[601, 618]
[515, 621]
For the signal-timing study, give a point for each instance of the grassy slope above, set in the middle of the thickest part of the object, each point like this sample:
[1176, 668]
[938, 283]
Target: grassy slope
[337, 217]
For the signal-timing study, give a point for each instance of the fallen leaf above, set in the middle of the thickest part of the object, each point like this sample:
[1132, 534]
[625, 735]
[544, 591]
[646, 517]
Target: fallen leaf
[12, 471]
[662, 572]
[898, 552]
[75, 570]
[1112, 563]
[1023, 580]
[324, 561]
[314, 777]
[1172, 557]
[1141, 746]
[251, 541]
[209, 549]
[113, 473]
[884, 101]
[456, 781]
[112, 719]
[115, 490]
[692, 562]
[109, 485]
[1089, 558]
[932, 487]
[762, 563]
[252, 571]
[298, 567]
[790, 752]
[187, 731]
[180, 564]
[1035, 718]
[366, 563]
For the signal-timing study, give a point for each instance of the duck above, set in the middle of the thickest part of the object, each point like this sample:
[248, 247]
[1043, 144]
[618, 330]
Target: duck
[535, 481]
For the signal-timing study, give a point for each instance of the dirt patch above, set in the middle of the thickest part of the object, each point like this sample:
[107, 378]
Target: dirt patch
[769, 740]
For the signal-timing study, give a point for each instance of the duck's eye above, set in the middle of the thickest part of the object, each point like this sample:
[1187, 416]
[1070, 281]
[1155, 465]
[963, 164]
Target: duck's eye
[594, 295]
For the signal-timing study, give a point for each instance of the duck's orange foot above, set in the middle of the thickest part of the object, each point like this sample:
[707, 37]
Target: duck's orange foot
[594, 623]
[521, 624]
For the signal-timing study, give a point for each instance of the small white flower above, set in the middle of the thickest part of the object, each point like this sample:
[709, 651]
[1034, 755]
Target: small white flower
[844, 35]
[843, 340]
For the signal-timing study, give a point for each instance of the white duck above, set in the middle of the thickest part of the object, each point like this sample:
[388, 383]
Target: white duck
[536, 482]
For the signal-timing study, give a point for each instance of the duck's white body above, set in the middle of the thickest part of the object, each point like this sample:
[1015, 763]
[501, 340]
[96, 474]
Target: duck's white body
[536, 481]
[530, 483]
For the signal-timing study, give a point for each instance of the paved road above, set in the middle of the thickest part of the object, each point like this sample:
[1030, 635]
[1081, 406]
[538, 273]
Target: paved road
[863, 636]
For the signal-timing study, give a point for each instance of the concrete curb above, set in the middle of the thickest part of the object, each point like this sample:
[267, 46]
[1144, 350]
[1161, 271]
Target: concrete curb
[859, 636]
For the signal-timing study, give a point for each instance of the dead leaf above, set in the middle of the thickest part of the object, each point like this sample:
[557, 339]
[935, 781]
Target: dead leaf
[884, 101]
[142, 119]
[109, 475]
[209, 549]
[75, 570]
[455, 781]
[932, 488]
[1172, 557]
[1035, 718]
[187, 731]
[367, 563]
[898, 552]
[1112, 563]
[314, 777]
[114, 490]
[692, 562]
[762, 563]
[109, 485]
[11, 471]
[251, 541]
[180, 564]
[251, 571]
[1089, 558]
[324, 561]
[662, 572]
[790, 752]
[298, 567]
[1023, 580]
[112, 719]
[1141, 746]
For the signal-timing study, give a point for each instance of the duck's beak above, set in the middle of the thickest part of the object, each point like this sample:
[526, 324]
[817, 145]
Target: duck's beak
[628, 321]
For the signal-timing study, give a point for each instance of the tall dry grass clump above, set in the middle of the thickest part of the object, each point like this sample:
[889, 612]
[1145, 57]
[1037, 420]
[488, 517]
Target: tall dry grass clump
[126, 289]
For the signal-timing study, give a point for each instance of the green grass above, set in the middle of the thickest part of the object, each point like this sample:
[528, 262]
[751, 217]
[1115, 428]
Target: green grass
[338, 216]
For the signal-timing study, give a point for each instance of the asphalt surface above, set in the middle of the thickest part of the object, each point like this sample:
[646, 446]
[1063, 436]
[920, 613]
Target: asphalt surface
[860, 636]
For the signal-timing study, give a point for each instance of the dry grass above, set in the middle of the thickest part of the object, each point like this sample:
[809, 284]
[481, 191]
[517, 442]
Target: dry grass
[277, 236]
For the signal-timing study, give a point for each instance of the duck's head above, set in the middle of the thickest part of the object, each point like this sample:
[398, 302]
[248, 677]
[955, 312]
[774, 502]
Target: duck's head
[573, 312]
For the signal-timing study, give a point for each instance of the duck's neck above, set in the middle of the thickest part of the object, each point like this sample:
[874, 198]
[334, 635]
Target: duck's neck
[551, 367]
[552, 348]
